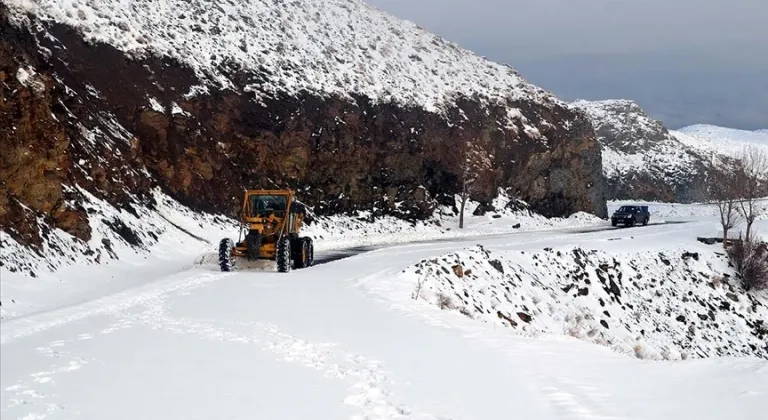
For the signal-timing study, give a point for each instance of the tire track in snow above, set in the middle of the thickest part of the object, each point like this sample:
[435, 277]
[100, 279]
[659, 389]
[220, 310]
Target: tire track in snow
[21, 327]
[575, 400]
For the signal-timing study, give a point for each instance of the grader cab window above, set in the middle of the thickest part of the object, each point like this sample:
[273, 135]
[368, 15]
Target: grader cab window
[265, 205]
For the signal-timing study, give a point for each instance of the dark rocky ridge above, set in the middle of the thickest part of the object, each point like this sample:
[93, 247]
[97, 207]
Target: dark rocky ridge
[339, 155]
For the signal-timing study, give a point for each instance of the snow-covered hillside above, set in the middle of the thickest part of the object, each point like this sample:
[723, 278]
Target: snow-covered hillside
[642, 159]
[351, 107]
[322, 46]
[713, 140]
[633, 141]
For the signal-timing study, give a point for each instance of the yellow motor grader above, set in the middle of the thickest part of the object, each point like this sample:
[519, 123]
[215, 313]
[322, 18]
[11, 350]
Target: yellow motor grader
[271, 221]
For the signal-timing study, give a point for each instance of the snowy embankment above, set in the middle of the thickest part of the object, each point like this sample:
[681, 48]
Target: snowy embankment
[668, 304]
[656, 294]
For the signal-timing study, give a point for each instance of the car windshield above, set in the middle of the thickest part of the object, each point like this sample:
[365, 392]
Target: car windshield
[627, 209]
[264, 205]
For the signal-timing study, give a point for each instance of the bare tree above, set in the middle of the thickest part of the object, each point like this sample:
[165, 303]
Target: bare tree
[751, 173]
[476, 166]
[725, 192]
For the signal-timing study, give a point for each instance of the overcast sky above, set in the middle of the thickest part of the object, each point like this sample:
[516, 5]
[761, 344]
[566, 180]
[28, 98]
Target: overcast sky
[708, 52]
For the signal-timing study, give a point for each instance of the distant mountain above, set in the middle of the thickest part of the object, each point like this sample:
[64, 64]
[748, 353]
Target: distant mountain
[644, 160]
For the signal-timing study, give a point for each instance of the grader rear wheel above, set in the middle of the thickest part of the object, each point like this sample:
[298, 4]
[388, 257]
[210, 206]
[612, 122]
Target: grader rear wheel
[226, 259]
[304, 257]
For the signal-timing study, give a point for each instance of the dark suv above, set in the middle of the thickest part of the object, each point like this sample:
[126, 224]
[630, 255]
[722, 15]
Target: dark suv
[631, 215]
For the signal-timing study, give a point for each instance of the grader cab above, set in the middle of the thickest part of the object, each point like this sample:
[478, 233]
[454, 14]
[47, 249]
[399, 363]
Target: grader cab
[271, 222]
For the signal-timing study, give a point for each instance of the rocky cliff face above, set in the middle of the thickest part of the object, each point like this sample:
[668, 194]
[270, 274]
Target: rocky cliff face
[201, 100]
[641, 158]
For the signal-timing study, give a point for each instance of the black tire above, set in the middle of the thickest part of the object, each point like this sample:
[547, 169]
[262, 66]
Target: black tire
[631, 223]
[253, 242]
[302, 255]
[311, 252]
[614, 223]
[226, 259]
[284, 255]
[645, 222]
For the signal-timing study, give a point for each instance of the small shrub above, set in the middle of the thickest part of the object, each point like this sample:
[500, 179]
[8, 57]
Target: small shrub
[750, 257]
[444, 301]
[639, 351]
[464, 311]
[638, 315]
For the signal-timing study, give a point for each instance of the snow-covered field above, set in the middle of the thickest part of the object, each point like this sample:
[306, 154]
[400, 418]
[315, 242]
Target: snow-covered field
[345, 339]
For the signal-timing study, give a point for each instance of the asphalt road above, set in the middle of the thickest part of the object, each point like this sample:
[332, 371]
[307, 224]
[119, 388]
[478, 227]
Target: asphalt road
[335, 255]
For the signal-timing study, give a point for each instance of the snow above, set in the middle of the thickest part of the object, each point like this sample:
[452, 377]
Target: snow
[651, 148]
[345, 339]
[156, 106]
[176, 109]
[338, 232]
[713, 140]
[139, 322]
[631, 118]
[325, 47]
[26, 76]
[671, 303]
[174, 236]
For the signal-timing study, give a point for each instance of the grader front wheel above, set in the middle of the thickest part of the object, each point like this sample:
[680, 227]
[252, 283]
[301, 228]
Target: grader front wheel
[284, 255]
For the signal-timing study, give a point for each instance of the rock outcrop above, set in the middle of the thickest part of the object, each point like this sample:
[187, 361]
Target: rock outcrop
[83, 116]
[643, 160]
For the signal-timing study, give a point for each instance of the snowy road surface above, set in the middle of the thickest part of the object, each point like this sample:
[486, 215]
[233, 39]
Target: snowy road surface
[339, 340]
